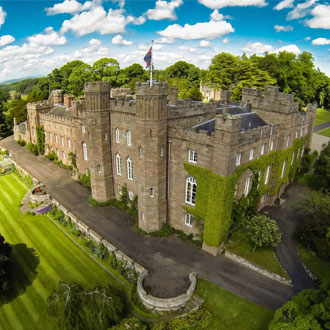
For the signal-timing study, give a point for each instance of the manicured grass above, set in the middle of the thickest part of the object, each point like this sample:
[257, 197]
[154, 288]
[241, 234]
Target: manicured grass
[43, 255]
[264, 257]
[322, 116]
[319, 267]
[325, 132]
[230, 311]
[313, 181]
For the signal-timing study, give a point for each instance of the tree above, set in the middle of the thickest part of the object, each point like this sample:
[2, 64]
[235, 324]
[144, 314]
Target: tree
[5, 267]
[310, 309]
[77, 308]
[263, 231]
[130, 324]
[322, 164]
[15, 109]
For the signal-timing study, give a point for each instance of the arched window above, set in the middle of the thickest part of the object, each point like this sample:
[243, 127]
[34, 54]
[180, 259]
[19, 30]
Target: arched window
[84, 146]
[117, 135]
[129, 169]
[118, 164]
[128, 137]
[191, 187]
[98, 168]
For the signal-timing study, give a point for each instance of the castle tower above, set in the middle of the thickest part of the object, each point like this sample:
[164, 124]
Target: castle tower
[98, 143]
[151, 123]
[311, 112]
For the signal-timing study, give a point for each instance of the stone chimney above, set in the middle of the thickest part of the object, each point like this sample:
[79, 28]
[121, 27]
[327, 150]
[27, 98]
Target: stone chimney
[225, 97]
[173, 97]
[68, 100]
[248, 107]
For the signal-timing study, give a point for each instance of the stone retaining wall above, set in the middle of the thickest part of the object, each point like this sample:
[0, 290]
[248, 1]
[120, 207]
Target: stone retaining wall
[165, 304]
[307, 270]
[258, 269]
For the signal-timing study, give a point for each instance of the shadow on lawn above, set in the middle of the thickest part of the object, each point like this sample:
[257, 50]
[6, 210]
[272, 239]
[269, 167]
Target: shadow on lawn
[25, 261]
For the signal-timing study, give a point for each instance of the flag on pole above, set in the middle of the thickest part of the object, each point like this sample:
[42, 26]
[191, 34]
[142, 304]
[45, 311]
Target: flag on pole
[148, 58]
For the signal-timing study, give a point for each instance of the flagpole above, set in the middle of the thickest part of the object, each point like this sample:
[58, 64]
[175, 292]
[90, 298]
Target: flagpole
[152, 50]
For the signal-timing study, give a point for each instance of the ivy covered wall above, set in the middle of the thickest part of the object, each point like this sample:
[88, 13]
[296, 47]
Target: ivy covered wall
[215, 193]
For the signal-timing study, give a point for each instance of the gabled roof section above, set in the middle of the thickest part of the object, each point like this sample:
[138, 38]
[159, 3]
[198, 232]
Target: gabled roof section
[251, 120]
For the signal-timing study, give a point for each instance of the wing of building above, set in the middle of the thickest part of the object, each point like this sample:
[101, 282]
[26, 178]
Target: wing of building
[183, 159]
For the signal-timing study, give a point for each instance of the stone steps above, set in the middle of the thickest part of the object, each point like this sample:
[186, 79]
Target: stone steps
[193, 305]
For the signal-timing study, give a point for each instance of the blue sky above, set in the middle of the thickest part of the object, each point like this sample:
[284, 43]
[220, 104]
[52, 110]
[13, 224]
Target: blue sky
[37, 36]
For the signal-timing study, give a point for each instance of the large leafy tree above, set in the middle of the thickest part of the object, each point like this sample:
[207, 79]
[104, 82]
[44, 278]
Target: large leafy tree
[15, 109]
[5, 267]
[322, 164]
[310, 309]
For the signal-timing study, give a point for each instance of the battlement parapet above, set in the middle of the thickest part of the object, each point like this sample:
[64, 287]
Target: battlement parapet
[190, 134]
[119, 91]
[58, 119]
[97, 87]
[123, 103]
[255, 134]
[188, 107]
[40, 105]
[158, 88]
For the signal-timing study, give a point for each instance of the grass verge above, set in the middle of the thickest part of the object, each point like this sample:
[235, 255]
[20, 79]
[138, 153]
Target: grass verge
[322, 116]
[325, 132]
[319, 267]
[230, 311]
[264, 257]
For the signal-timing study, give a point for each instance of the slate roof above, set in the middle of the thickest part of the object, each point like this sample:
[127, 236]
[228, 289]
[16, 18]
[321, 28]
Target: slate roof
[60, 111]
[232, 109]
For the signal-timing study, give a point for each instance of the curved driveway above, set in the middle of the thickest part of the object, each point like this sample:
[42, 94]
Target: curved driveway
[169, 259]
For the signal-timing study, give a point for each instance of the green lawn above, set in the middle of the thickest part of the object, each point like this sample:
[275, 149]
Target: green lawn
[43, 255]
[319, 267]
[230, 311]
[264, 257]
[322, 116]
[325, 132]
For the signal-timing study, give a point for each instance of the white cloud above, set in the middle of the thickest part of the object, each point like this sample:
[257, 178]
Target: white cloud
[216, 16]
[207, 30]
[321, 41]
[284, 4]
[301, 10]
[92, 52]
[204, 43]
[217, 4]
[68, 6]
[321, 17]
[260, 48]
[187, 49]
[164, 40]
[97, 20]
[6, 39]
[225, 41]
[308, 38]
[164, 10]
[118, 40]
[280, 28]
[3, 15]
[50, 37]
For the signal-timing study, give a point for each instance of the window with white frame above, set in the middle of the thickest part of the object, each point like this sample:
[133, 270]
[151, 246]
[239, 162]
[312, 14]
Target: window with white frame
[63, 155]
[267, 175]
[50, 137]
[142, 216]
[33, 131]
[140, 152]
[262, 149]
[119, 189]
[118, 164]
[129, 138]
[99, 169]
[288, 141]
[69, 143]
[129, 168]
[130, 195]
[238, 159]
[62, 140]
[55, 138]
[283, 169]
[191, 188]
[57, 153]
[247, 186]
[272, 145]
[192, 156]
[83, 128]
[105, 136]
[236, 187]
[161, 152]
[151, 192]
[188, 220]
[84, 147]
[293, 157]
[117, 135]
[251, 155]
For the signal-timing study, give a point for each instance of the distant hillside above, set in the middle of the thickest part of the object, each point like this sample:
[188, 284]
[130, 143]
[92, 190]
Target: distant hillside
[16, 80]
[21, 86]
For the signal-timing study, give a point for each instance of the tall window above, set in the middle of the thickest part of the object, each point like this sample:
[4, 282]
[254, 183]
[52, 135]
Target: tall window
[57, 153]
[251, 154]
[99, 169]
[69, 143]
[161, 152]
[272, 145]
[293, 157]
[192, 156]
[130, 195]
[129, 138]
[140, 152]
[62, 140]
[188, 220]
[267, 175]
[283, 169]
[238, 159]
[152, 192]
[247, 186]
[129, 169]
[119, 189]
[83, 129]
[191, 187]
[117, 135]
[118, 164]
[84, 146]
[55, 138]
[50, 137]
[262, 149]
[288, 141]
